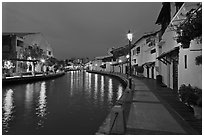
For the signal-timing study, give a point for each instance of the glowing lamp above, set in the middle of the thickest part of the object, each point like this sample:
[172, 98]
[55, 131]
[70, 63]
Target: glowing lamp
[129, 36]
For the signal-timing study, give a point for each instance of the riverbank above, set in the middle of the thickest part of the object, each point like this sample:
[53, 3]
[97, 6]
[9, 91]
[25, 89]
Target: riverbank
[149, 109]
[29, 78]
[123, 103]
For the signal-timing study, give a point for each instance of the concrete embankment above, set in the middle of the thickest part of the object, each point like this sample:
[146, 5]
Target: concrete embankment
[115, 122]
[27, 79]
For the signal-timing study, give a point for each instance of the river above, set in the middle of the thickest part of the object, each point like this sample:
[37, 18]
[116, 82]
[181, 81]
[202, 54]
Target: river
[74, 104]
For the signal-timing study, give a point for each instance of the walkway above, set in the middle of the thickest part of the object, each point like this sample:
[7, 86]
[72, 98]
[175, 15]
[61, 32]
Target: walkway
[156, 110]
[152, 110]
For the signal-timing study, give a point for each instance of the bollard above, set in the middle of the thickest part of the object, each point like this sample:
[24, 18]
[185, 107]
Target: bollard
[117, 120]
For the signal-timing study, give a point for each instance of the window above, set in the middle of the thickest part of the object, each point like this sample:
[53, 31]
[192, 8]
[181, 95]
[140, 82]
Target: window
[185, 61]
[19, 43]
[49, 52]
[114, 59]
[30, 47]
[152, 43]
[134, 60]
[6, 48]
[153, 51]
[138, 50]
[148, 40]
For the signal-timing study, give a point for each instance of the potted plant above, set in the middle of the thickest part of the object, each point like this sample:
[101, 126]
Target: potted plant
[192, 96]
[139, 70]
[191, 28]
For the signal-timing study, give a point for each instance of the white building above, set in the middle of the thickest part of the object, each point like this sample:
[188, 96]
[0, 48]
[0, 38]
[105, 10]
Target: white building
[37, 39]
[177, 64]
[144, 53]
[120, 59]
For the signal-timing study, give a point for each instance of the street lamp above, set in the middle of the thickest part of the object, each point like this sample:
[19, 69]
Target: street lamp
[42, 60]
[129, 36]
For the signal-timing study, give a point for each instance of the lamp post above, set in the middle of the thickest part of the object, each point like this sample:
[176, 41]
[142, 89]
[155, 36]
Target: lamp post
[129, 36]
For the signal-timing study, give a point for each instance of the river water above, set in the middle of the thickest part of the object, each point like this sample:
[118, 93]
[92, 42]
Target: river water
[76, 103]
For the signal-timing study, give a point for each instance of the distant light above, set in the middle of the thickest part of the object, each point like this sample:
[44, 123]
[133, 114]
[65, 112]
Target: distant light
[110, 62]
[42, 60]
[129, 36]
[127, 56]
[95, 64]
[120, 61]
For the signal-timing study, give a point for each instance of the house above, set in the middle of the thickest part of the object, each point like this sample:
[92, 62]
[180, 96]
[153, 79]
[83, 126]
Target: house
[144, 53]
[176, 60]
[37, 39]
[16, 49]
[120, 59]
[12, 50]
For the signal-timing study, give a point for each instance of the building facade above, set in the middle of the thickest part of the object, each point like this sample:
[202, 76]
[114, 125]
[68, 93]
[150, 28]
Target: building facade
[177, 63]
[25, 51]
[144, 53]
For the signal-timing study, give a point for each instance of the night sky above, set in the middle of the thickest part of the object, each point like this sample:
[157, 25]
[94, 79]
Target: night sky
[82, 29]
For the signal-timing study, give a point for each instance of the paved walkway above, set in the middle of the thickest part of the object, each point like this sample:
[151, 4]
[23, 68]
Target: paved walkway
[151, 109]
[150, 114]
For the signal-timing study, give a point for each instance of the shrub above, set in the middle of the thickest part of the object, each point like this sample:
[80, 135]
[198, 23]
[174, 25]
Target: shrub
[190, 95]
[139, 69]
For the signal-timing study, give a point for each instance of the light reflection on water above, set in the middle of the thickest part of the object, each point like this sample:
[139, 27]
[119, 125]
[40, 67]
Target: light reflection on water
[96, 86]
[120, 91]
[110, 89]
[8, 106]
[102, 88]
[60, 105]
[41, 107]
[72, 83]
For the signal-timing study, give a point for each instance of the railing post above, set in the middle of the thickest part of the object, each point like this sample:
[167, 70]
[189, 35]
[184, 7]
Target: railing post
[117, 121]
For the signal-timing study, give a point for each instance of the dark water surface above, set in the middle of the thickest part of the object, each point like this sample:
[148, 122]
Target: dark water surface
[76, 103]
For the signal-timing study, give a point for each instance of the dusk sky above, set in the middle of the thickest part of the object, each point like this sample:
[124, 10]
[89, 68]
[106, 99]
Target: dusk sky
[82, 29]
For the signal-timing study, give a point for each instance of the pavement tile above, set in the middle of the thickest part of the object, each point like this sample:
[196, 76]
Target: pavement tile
[143, 87]
[144, 95]
[150, 116]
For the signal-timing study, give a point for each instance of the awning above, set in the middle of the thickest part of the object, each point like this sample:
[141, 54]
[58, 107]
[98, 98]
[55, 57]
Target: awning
[107, 59]
[16, 59]
[149, 64]
[163, 57]
[120, 63]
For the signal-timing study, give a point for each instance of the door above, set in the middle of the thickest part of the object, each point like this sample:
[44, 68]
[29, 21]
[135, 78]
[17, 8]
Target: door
[175, 75]
[147, 72]
[152, 72]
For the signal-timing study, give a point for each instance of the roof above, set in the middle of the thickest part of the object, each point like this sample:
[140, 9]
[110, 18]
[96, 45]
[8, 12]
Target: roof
[170, 52]
[120, 63]
[19, 34]
[145, 36]
[121, 51]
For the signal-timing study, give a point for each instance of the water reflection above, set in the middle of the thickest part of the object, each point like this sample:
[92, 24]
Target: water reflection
[8, 107]
[89, 86]
[102, 88]
[41, 109]
[96, 86]
[38, 106]
[120, 91]
[72, 83]
[29, 96]
[110, 89]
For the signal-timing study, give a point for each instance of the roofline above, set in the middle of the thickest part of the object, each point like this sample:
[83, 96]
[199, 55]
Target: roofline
[144, 36]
